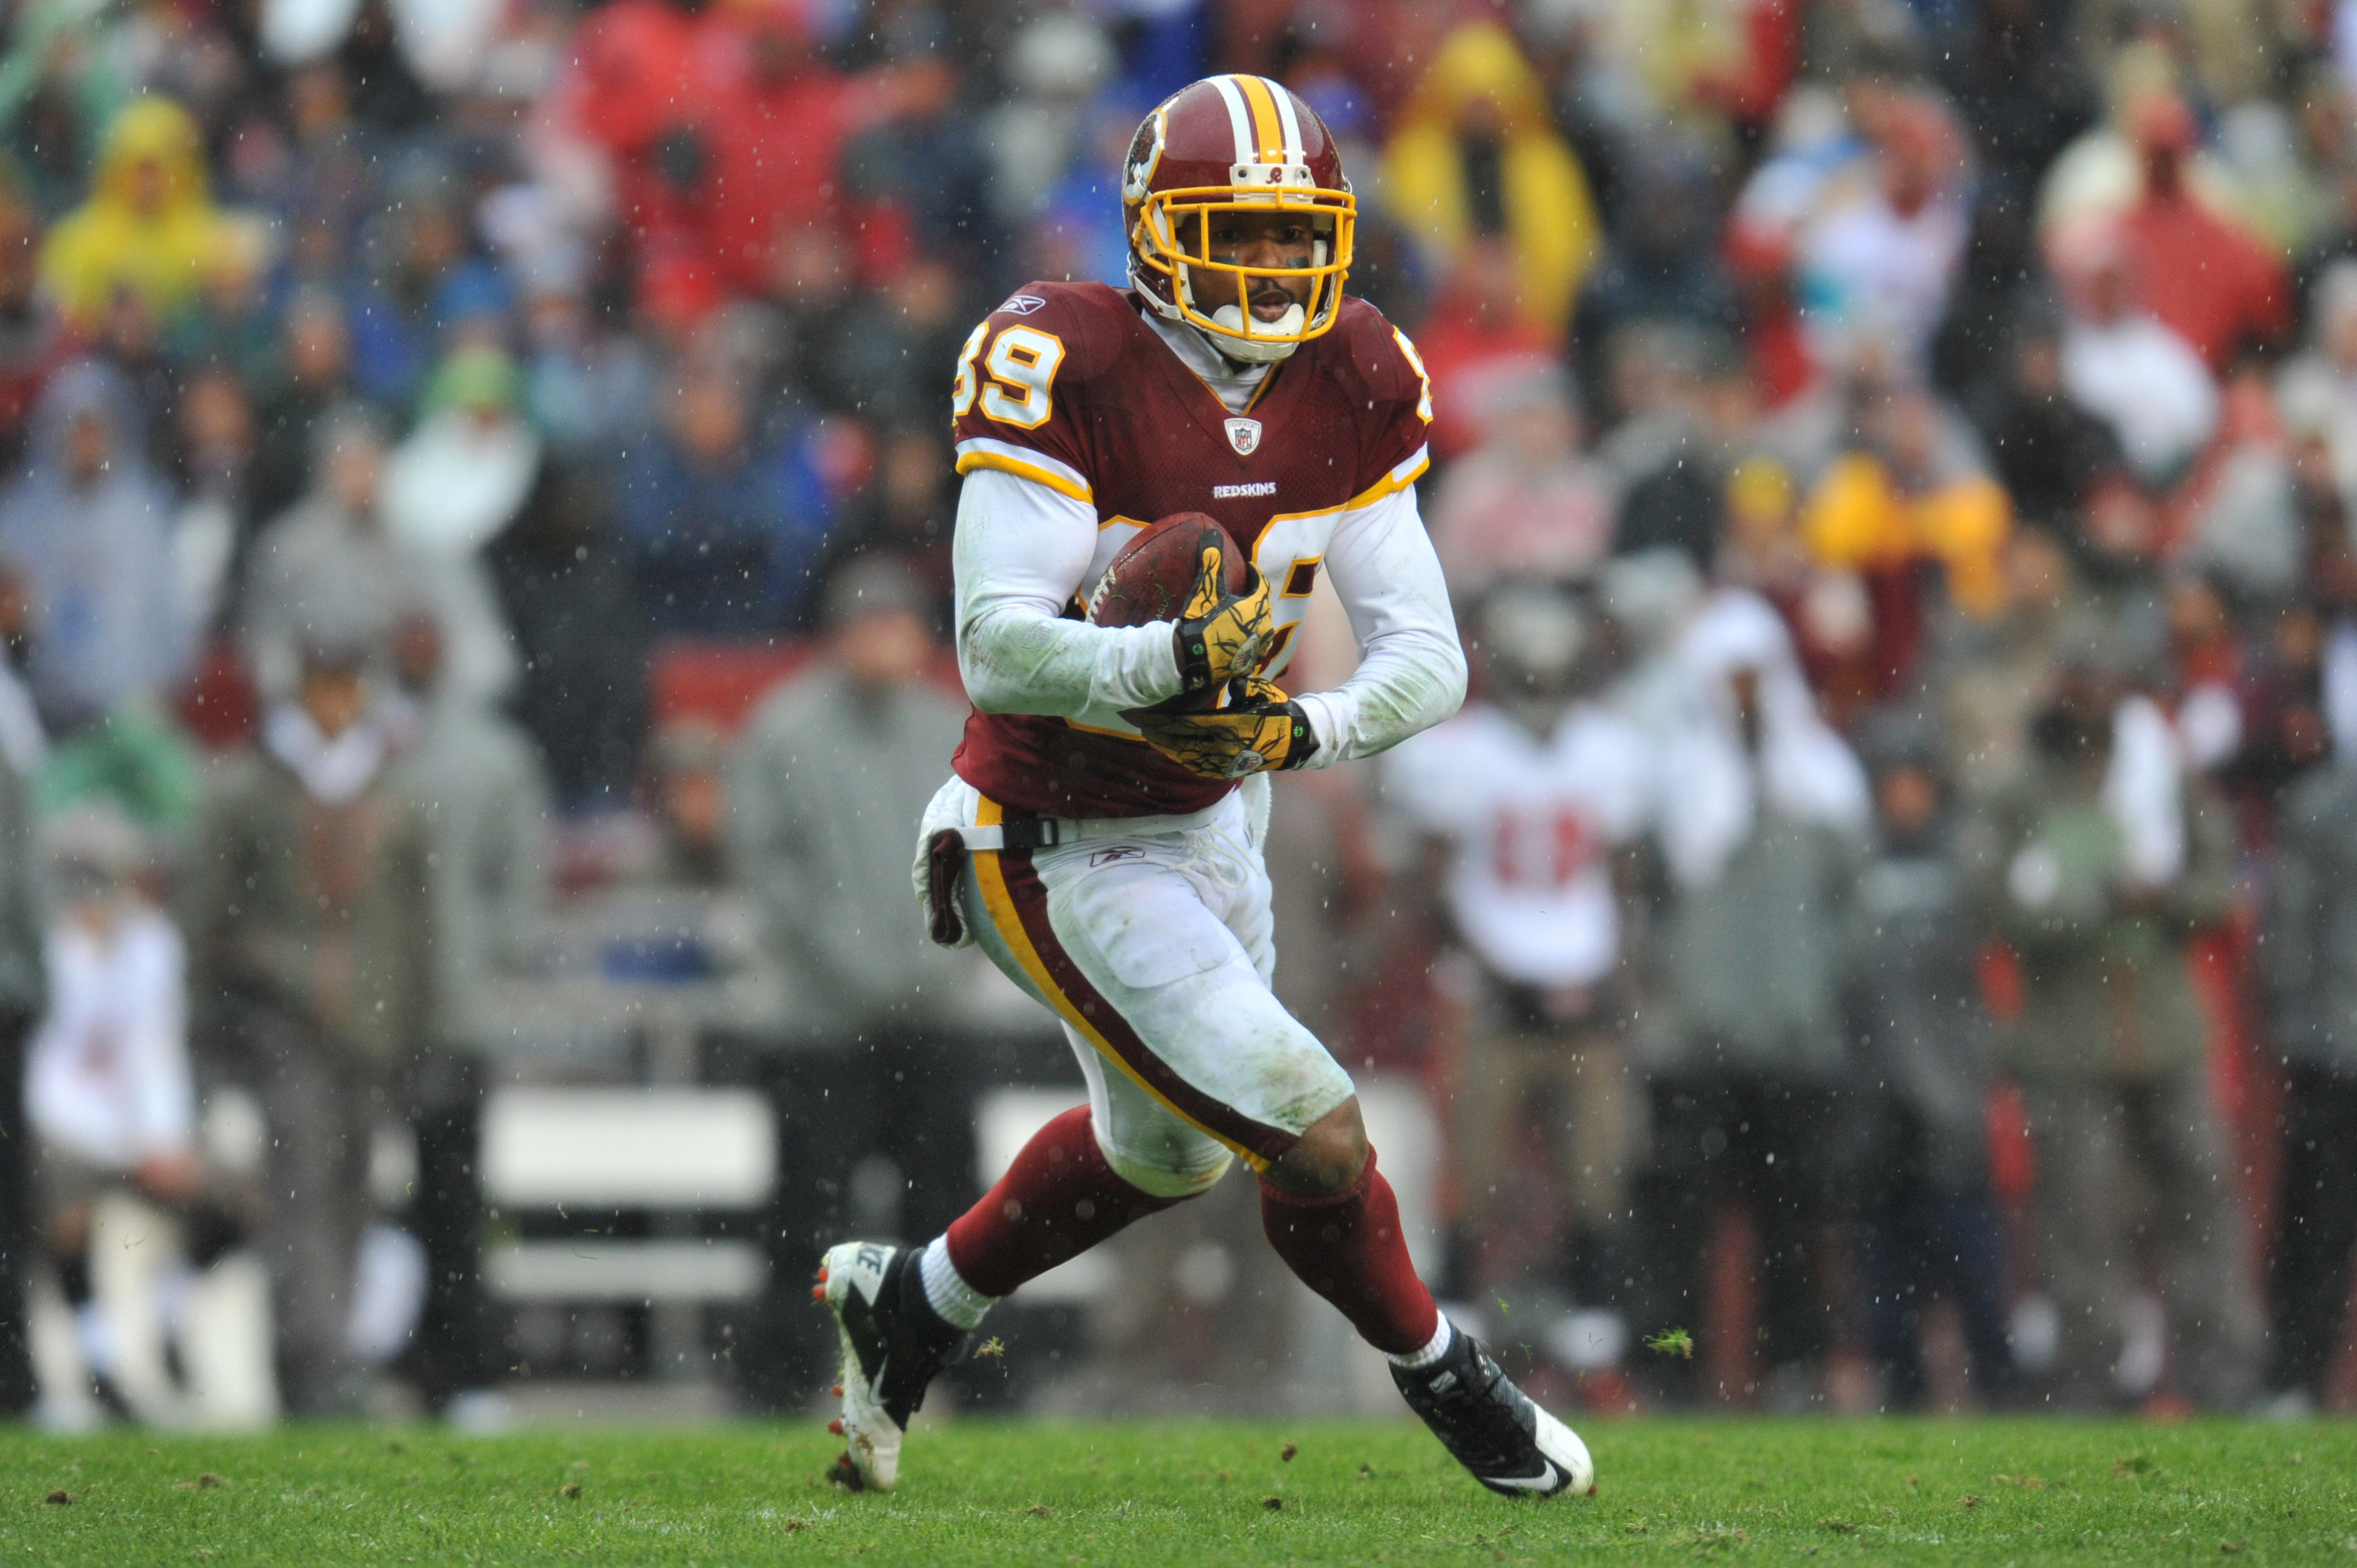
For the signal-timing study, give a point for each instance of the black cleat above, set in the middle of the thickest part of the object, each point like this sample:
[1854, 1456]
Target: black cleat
[1490, 1427]
[893, 1345]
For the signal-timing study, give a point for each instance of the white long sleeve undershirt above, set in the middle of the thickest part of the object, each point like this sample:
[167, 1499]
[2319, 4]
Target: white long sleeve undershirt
[1411, 672]
[1023, 551]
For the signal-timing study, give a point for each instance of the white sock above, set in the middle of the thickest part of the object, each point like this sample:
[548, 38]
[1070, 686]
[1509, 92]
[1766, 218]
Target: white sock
[1434, 1350]
[94, 1337]
[172, 1296]
[958, 1303]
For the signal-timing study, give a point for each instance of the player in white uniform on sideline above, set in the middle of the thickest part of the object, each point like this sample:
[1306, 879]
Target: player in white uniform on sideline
[1096, 841]
[1534, 793]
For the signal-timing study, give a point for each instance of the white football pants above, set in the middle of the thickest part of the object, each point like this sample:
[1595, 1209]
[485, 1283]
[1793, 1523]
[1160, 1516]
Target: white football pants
[1155, 953]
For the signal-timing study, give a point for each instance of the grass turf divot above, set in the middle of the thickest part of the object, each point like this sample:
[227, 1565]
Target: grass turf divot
[978, 1493]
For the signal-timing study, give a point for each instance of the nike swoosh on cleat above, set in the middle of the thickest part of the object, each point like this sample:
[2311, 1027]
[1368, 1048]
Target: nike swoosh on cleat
[1545, 1482]
[857, 1315]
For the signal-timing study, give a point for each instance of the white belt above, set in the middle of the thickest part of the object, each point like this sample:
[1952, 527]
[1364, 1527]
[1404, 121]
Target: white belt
[1045, 832]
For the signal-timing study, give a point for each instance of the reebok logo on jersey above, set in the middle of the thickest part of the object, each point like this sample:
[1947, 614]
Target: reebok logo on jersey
[1233, 492]
[1022, 304]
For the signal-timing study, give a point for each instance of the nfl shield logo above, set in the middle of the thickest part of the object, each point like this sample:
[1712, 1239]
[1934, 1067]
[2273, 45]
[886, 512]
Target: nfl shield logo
[1244, 434]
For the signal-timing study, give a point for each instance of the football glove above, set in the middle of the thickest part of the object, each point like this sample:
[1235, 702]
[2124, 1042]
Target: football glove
[1260, 728]
[1220, 634]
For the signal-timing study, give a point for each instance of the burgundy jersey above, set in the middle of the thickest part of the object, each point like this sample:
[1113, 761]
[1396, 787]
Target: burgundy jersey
[1066, 384]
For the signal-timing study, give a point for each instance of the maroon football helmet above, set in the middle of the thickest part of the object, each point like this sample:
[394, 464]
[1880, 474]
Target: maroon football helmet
[1234, 144]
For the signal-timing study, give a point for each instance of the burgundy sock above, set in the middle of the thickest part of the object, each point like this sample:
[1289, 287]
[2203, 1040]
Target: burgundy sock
[1056, 1201]
[1349, 1249]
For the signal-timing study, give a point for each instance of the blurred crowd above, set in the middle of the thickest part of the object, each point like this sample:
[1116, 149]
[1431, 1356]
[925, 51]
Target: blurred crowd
[1881, 919]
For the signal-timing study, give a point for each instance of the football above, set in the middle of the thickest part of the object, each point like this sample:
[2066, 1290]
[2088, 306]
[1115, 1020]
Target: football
[1151, 578]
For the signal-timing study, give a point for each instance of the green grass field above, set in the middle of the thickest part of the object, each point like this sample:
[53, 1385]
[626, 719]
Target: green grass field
[1192, 1493]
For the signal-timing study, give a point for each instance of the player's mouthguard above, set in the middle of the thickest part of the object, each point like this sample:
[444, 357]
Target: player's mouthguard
[1287, 324]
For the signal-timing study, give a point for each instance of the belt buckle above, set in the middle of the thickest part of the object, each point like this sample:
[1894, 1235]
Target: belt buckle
[1039, 832]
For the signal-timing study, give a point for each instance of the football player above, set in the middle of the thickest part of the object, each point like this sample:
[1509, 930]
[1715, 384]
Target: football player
[1533, 793]
[1101, 835]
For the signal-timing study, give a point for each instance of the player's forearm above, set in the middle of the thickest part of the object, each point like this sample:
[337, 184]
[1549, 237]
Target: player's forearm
[1017, 660]
[1410, 685]
[1411, 675]
[1021, 551]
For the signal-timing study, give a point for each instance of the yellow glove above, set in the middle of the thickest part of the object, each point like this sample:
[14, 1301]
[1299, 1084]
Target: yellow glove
[1257, 727]
[1220, 634]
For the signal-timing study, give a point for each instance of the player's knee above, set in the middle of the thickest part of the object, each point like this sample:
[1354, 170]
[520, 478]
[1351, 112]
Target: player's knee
[1174, 1185]
[1328, 1158]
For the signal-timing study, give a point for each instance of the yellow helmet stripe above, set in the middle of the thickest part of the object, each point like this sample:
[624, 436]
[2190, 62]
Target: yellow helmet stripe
[1294, 151]
[1239, 116]
[1268, 131]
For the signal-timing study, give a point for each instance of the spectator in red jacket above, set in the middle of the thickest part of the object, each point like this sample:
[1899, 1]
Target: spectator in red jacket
[780, 116]
[1476, 339]
[2207, 279]
[726, 132]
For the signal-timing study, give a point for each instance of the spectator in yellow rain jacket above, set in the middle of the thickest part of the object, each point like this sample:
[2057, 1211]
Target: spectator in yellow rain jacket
[150, 225]
[1907, 495]
[1477, 154]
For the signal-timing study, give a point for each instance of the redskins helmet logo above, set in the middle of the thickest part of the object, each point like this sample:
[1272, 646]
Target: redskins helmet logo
[1145, 152]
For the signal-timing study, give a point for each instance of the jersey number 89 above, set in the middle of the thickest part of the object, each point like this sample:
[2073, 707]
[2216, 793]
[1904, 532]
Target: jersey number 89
[1022, 366]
